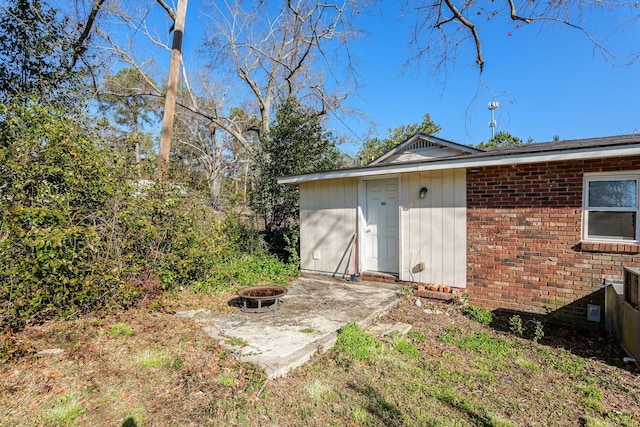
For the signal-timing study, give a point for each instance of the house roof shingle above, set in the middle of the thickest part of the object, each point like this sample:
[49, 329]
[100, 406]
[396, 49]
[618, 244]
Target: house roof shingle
[573, 144]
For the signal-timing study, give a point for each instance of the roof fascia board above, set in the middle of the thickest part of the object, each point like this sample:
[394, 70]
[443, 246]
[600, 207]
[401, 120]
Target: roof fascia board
[455, 145]
[541, 157]
[396, 149]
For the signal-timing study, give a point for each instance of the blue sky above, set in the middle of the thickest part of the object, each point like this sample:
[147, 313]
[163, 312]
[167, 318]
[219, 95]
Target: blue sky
[549, 80]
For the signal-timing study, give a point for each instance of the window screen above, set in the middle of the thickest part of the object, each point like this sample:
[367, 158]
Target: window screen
[611, 208]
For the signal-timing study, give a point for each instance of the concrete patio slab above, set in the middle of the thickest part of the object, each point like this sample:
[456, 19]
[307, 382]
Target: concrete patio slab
[312, 312]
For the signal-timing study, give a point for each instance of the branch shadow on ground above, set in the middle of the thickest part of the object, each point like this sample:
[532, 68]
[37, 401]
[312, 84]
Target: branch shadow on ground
[388, 414]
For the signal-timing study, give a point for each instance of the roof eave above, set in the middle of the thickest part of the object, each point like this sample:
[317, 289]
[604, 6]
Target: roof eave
[465, 162]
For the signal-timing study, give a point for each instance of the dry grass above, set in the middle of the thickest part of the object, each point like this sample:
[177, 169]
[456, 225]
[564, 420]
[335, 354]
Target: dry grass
[141, 368]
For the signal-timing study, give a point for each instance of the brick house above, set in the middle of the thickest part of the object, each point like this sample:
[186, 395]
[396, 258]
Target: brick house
[535, 229]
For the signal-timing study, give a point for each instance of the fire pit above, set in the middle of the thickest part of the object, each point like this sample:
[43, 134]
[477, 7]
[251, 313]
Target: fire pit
[261, 299]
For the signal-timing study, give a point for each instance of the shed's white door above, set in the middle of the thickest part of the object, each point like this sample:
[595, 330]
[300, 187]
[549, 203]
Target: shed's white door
[381, 228]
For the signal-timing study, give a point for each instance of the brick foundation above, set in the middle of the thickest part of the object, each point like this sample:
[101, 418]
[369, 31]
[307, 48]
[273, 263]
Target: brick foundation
[524, 228]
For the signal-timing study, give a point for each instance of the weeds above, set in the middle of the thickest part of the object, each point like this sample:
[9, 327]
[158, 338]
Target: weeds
[403, 345]
[480, 342]
[354, 342]
[466, 375]
[121, 330]
[478, 314]
[591, 396]
[64, 411]
[515, 325]
[227, 379]
[567, 363]
[152, 358]
[320, 392]
[526, 364]
[417, 336]
[464, 298]
[533, 327]
[537, 330]
[235, 341]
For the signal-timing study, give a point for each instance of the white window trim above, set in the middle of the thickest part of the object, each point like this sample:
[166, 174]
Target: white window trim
[610, 176]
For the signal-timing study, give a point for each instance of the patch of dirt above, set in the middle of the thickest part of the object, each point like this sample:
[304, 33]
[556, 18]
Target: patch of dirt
[108, 375]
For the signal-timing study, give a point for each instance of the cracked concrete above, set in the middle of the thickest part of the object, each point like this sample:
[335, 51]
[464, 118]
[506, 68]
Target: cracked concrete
[312, 312]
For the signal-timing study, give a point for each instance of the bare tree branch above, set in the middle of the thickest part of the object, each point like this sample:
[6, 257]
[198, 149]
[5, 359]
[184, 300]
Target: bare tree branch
[431, 41]
[168, 9]
[78, 46]
[514, 14]
[278, 52]
[472, 28]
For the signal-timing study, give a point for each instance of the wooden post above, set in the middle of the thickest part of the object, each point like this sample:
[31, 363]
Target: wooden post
[172, 89]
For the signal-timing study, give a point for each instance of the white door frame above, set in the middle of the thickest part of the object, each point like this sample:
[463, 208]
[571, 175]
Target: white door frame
[362, 221]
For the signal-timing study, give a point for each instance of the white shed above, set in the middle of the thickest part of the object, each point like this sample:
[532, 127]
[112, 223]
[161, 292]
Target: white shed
[388, 217]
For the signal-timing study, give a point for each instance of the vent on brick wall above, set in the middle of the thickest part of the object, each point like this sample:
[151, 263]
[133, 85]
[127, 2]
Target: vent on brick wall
[631, 276]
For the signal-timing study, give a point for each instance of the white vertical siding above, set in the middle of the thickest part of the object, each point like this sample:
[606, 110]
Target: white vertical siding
[434, 228]
[328, 225]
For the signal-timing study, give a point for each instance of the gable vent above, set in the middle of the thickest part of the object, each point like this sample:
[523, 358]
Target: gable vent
[420, 144]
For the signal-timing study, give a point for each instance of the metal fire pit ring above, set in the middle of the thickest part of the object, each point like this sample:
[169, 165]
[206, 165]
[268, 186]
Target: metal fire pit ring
[261, 299]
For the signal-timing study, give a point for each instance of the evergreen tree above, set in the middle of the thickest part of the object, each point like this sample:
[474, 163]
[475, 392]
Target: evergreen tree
[501, 139]
[131, 109]
[34, 50]
[376, 147]
[296, 144]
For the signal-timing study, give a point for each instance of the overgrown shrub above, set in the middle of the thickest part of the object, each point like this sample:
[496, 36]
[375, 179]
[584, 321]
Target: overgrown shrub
[56, 202]
[76, 235]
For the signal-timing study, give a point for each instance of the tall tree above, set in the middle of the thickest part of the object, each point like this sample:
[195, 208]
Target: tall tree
[125, 96]
[214, 152]
[276, 49]
[295, 144]
[35, 45]
[501, 139]
[172, 90]
[376, 147]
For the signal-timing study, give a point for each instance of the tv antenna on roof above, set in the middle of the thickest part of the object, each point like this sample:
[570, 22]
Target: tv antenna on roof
[492, 124]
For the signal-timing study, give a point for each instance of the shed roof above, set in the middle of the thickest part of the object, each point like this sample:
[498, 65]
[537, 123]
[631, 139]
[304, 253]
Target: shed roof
[589, 148]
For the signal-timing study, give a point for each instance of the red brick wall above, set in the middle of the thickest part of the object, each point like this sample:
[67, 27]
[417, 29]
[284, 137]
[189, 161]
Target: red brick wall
[524, 226]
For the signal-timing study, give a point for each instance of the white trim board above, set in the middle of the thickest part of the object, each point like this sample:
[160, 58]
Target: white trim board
[466, 162]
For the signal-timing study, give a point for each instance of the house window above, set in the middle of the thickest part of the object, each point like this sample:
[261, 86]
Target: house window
[611, 208]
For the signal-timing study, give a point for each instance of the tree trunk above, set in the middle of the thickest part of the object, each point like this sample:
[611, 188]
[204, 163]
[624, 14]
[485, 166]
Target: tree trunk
[172, 89]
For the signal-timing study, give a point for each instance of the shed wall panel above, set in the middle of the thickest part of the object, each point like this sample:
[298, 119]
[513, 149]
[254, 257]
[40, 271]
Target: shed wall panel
[434, 228]
[328, 225]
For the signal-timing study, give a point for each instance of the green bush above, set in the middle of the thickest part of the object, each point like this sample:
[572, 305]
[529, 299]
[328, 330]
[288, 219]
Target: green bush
[76, 235]
[56, 203]
[478, 314]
